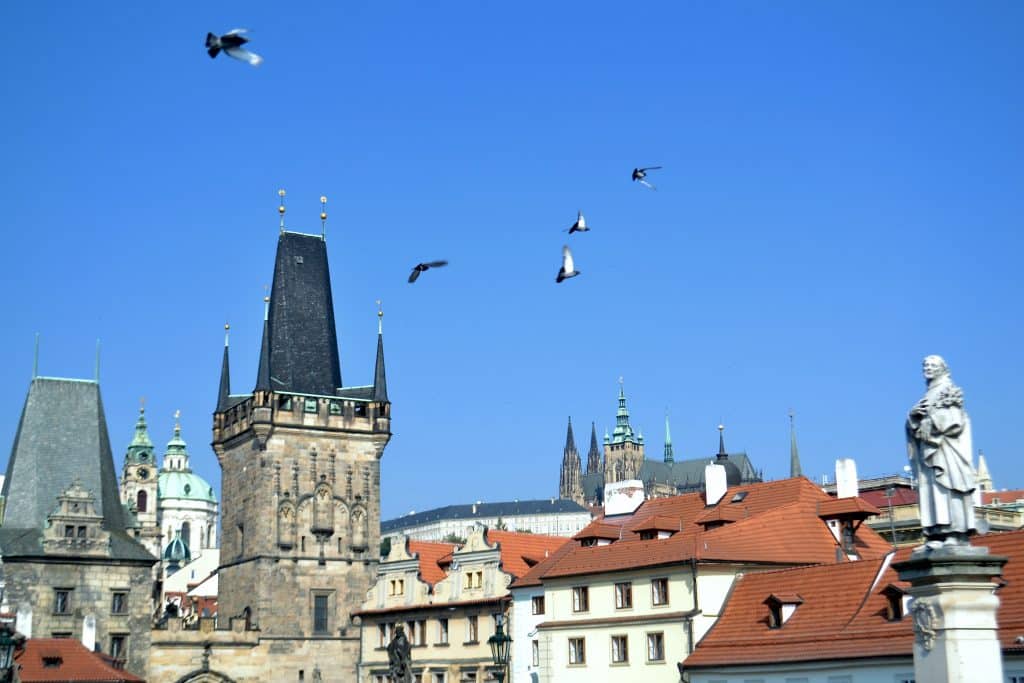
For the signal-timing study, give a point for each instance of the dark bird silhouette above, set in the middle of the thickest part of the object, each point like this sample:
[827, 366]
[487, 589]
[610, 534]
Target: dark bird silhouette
[231, 43]
[640, 175]
[580, 225]
[568, 268]
[420, 267]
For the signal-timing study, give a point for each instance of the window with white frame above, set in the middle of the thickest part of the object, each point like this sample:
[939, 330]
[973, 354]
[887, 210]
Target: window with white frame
[659, 591]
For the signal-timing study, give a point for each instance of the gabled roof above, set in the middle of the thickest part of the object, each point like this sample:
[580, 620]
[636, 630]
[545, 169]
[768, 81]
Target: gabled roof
[70, 661]
[521, 551]
[431, 556]
[842, 614]
[852, 507]
[777, 522]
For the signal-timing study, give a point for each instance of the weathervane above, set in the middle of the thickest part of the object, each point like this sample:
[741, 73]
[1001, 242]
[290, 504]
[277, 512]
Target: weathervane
[323, 217]
[280, 209]
[380, 317]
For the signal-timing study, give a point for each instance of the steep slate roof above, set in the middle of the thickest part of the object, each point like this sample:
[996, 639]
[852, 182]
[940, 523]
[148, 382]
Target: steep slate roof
[76, 663]
[685, 475]
[62, 437]
[777, 523]
[842, 614]
[520, 551]
[300, 348]
[483, 510]
[431, 556]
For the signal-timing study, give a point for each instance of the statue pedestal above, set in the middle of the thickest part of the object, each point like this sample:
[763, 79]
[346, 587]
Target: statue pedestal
[954, 611]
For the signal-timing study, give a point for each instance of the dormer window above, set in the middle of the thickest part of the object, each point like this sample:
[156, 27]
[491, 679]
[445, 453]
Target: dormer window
[588, 542]
[648, 535]
[738, 498]
[896, 602]
[781, 608]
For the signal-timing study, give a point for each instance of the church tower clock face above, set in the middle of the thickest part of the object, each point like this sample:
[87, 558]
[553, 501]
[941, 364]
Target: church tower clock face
[143, 473]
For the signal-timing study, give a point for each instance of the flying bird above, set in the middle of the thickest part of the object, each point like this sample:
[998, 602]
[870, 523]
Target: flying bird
[568, 269]
[640, 174]
[420, 267]
[231, 43]
[580, 225]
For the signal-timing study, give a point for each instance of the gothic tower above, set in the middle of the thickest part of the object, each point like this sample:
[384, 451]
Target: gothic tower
[594, 464]
[300, 457]
[570, 484]
[624, 451]
[139, 491]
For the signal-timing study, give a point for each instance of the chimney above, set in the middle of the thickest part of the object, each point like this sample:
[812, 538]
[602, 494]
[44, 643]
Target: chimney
[846, 478]
[714, 483]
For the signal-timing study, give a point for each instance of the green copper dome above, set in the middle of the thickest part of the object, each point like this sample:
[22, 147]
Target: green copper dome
[177, 550]
[184, 486]
[140, 450]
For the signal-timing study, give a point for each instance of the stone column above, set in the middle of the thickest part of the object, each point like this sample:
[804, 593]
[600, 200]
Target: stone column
[954, 611]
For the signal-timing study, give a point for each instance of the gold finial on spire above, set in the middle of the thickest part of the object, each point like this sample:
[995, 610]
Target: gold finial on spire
[266, 302]
[380, 317]
[323, 217]
[280, 209]
[142, 404]
[227, 328]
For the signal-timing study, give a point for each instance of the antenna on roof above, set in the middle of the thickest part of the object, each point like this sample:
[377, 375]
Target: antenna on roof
[280, 209]
[323, 218]
[35, 359]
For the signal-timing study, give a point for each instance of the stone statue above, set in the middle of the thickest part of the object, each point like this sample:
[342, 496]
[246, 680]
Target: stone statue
[400, 657]
[939, 447]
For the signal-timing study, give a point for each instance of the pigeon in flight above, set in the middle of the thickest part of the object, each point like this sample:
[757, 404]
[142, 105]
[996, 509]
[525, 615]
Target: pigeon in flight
[640, 174]
[231, 43]
[568, 269]
[420, 267]
[580, 225]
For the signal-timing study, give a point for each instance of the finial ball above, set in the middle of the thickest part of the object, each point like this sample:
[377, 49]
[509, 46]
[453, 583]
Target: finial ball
[280, 193]
[266, 299]
[226, 326]
[323, 215]
[280, 209]
[323, 199]
[721, 427]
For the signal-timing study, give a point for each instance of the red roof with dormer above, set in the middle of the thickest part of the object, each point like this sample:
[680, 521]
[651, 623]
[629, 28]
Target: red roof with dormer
[433, 557]
[520, 552]
[63, 660]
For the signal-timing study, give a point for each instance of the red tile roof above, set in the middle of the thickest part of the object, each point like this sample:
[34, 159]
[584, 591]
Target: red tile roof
[431, 556]
[846, 507]
[843, 614]
[520, 552]
[75, 663]
[1004, 497]
[901, 496]
[777, 522]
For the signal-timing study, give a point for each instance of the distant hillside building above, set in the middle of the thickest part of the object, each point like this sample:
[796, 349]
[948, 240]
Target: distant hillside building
[623, 458]
[71, 567]
[550, 516]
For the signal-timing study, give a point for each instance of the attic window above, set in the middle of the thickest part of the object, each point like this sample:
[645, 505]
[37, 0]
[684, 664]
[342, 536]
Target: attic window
[52, 662]
[298, 259]
[781, 608]
[738, 498]
[648, 535]
[588, 542]
[895, 606]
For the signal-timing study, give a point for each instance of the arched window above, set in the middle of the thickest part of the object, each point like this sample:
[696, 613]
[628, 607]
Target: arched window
[186, 530]
[141, 500]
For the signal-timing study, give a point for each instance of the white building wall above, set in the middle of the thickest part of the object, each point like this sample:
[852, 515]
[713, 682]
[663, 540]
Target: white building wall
[201, 517]
[894, 670]
[553, 524]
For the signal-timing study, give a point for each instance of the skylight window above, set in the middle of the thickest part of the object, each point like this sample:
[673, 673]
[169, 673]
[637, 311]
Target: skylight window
[738, 498]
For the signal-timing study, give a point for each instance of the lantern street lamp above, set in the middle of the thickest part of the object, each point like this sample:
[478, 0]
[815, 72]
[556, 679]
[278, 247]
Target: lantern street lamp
[10, 640]
[501, 647]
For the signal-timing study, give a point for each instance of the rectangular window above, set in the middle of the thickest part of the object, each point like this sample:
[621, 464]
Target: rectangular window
[659, 591]
[119, 603]
[309, 405]
[472, 629]
[421, 632]
[623, 595]
[535, 649]
[438, 678]
[538, 604]
[656, 647]
[119, 646]
[62, 601]
[620, 649]
[81, 532]
[61, 634]
[385, 632]
[69, 531]
[577, 651]
[581, 599]
[442, 631]
[320, 621]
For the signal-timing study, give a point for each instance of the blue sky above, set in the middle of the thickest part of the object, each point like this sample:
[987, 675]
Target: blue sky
[841, 195]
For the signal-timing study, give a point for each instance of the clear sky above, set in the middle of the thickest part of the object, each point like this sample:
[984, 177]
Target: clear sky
[842, 194]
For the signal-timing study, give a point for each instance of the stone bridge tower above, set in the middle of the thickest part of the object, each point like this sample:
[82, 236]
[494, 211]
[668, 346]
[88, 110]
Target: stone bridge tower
[300, 460]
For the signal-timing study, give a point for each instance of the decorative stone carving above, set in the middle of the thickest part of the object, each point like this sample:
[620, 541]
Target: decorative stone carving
[939, 448]
[925, 621]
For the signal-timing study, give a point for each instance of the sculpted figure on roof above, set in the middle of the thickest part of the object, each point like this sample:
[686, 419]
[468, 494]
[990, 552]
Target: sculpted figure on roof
[939, 447]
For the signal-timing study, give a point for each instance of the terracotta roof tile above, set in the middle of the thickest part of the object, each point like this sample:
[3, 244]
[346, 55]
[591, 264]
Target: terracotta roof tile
[431, 556]
[1004, 497]
[76, 663]
[843, 613]
[847, 507]
[901, 496]
[520, 552]
[659, 523]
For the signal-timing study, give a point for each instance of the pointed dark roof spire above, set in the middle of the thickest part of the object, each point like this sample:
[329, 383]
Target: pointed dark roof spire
[594, 455]
[300, 348]
[225, 376]
[263, 374]
[570, 440]
[794, 455]
[380, 382]
[722, 454]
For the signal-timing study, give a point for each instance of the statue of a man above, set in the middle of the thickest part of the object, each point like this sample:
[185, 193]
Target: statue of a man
[400, 657]
[939, 447]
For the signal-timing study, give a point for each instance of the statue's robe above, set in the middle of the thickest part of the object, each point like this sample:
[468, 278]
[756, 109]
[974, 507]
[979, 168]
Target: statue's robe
[939, 444]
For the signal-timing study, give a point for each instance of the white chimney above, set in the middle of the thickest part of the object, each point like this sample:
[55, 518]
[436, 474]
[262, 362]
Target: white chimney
[623, 497]
[846, 478]
[89, 632]
[23, 621]
[714, 483]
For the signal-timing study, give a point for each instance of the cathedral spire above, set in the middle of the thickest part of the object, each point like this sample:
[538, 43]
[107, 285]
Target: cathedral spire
[570, 484]
[225, 376]
[380, 382]
[594, 455]
[623, 430]
[669, 457]
[983, 477]
[794, 455]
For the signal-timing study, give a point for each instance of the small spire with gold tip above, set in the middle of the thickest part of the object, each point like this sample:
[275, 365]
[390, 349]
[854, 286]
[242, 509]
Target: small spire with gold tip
[323, 218]
[266, 302]
[380, 317]
[280, 208]
[227, 328]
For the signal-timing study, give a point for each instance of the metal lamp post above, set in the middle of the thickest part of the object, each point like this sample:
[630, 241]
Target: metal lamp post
[501, 647]
[10, 641]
